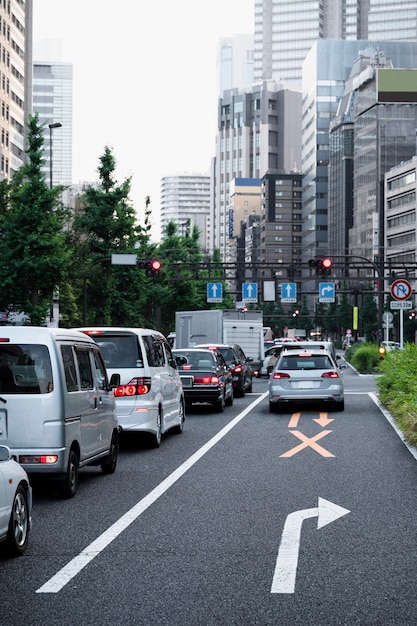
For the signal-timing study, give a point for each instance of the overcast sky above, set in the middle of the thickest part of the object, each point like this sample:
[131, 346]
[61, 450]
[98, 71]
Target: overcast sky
[144, 82]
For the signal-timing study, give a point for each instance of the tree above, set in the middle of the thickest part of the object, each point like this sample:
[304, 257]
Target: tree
[106, 224]
[34, 248]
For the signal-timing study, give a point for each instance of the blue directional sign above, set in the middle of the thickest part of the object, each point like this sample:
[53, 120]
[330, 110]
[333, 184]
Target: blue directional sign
[326, 292]
[250, 292]
[214, 292]
[288, 292]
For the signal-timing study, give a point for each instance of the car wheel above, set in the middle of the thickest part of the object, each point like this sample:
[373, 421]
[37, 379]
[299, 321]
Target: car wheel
[219, 406]
[229, 400]
[249, 388]
[18, 532]
[340, 406]
[69, 485]
[241, 391]
[109, 464]
[178, 429]
[155, 439]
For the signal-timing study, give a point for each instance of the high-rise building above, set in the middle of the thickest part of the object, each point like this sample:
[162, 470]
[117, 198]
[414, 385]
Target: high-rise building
[185, 200]
[15, 82]
[285, 31]
[52, 100]
[235, 62]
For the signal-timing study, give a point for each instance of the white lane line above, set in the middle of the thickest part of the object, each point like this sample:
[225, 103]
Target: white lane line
[61, 578]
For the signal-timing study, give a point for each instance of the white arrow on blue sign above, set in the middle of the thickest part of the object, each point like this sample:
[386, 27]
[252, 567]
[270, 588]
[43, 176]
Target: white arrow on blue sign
[250, 292]
[326, 292]
[214, 292]
[289, 292]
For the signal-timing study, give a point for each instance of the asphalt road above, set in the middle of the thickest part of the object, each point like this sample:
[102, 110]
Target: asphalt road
[248, 518]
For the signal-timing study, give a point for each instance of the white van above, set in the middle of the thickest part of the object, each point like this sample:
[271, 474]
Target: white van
[57, 409]
[150, 397]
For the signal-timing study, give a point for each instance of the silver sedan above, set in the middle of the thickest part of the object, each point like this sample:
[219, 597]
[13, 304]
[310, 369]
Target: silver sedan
[306, 377]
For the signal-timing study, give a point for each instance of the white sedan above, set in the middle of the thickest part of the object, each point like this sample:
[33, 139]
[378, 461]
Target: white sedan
[15, 505]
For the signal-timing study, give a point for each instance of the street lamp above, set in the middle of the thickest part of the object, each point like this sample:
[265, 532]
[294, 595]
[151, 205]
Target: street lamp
[51, 126]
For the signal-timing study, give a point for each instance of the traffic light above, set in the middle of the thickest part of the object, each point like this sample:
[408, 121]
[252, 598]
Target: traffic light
[412, 315]
[296, 313]
[323, 266]
[152, 267]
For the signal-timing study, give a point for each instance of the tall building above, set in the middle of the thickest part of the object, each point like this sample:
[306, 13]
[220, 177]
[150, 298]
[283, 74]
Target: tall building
[259, 131]
[15, 82]
[185, 200]
[285, 31]
[52, 100]
[235, 62]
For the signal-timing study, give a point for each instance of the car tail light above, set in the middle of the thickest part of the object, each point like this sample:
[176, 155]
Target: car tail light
[280, 375]
[206, 380]
[44, 459]
[237, 369]
[136, 387]
[330, 375]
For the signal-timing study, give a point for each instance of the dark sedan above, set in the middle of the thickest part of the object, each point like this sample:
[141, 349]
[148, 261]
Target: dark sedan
[238, 363]
[205, 377]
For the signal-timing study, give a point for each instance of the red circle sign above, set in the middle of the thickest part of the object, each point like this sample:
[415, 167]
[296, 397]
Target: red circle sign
[401, 289]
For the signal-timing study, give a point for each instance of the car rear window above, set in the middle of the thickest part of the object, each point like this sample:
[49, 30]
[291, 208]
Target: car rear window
[119, 350]
[196, 360]
[305, 362]
[25, 368]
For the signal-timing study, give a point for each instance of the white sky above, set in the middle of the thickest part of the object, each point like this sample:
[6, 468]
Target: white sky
[144, 82]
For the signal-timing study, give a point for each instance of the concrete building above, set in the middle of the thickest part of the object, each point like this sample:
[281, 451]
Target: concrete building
[285, 31]
[185, 200]
[235, 62]
[52, 100]
[15, 82]
[259, 131]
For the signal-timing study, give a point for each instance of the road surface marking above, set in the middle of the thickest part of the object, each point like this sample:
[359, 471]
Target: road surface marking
[308, 442]
[287, 559]
[322, 420]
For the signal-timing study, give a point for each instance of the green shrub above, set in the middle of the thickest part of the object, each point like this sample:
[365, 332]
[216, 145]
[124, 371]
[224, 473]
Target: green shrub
[364, 357]
[397, 387]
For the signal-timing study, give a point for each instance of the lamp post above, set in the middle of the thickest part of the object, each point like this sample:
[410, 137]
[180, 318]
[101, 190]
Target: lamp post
[51, 126]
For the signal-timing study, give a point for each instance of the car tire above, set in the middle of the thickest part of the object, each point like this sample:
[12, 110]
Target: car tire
[109, 464]
[229, 400]
[69, 484]
[272, 407]
[340, 406]
[19, 524]
[219, 405]
[156, 438]
[249, 388]
[178, 429]
[241, 391]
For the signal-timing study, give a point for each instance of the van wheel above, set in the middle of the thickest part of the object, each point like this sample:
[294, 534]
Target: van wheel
[109, 464]
[177, 430]
[18, 532]
[155, 439]
[69, 485]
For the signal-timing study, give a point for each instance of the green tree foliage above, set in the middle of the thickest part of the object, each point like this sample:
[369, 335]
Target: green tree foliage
[33, 245]
[106, 224]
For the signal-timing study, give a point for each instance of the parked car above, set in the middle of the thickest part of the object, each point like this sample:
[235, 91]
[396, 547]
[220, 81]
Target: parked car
[15, 504]
[205, 377]
[150, 397]
[238, 364]
[306, 377]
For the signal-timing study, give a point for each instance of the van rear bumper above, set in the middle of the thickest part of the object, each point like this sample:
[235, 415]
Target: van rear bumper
[40, 464]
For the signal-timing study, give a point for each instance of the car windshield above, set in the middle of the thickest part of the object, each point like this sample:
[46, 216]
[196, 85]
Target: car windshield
[304, 362]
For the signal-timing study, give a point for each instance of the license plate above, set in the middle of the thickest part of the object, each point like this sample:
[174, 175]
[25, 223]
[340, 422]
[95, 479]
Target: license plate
[306, 384]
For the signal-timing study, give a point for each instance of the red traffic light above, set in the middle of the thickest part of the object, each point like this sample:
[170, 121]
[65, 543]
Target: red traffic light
[326, 263]
[323, 265]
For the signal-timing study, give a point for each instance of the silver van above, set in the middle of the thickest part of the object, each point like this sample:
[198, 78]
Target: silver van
[150, 397]
[57, 409]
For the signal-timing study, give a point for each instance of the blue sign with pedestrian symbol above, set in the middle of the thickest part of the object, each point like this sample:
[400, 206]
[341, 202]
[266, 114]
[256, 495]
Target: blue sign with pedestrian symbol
[214, 292]
[289, 292]
[326, 292]
[250, 292]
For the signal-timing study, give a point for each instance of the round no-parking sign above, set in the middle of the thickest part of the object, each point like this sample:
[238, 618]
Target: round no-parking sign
[401, 289]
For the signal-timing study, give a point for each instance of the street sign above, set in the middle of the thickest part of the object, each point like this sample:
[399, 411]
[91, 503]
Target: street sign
[398, 304]
[387, 317]
[401, 289]
[250, 292]
[214, 292]
[288, 292]
[326, 292]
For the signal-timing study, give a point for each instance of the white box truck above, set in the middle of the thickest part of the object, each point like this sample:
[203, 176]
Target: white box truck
[216, 326]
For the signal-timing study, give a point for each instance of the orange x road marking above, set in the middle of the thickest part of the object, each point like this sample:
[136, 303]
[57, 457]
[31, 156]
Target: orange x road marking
[308, 442]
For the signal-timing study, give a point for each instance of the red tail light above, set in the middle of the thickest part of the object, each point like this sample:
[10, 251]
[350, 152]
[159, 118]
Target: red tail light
[237, 369]
[136, 387]
[206, 380]
[280, 375]
[330, 375]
